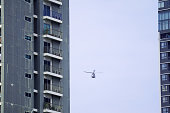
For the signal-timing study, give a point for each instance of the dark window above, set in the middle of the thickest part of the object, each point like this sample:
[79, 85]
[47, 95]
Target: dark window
[46, 10]
[164, 110]
[164, 55]
[28, 56]
[46, 65]
[164, 66]
[164, 77]
[28, 1]
[46, 100]
[165, 99]
[28, 19]
[165, 35]
[46, 47]
[164, 88]
[47, 84]
[27, 37]
[163, 45]
[27, 75]
[27, 94]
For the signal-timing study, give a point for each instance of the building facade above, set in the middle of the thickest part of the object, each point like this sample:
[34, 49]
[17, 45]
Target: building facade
[164, 36]
[34, 56]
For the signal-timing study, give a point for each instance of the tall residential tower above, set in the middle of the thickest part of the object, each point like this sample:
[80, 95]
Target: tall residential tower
[164, 35]
[34, 56]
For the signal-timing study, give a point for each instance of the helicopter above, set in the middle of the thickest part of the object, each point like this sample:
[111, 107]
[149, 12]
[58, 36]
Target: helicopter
[93, 73]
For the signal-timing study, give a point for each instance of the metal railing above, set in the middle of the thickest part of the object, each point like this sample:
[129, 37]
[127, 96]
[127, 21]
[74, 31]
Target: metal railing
[53, 51]
[53, 32]
[53, 107]
[52, 69]
[59, 0]
[53, 14]
[165, 58]
[54, 88]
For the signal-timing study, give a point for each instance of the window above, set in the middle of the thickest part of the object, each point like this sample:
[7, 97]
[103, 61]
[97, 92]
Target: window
[27, 75]
[163, 45]
[47, 65]
[47, 100]
[161, 4]
[27, 37]
[47, 47]
[164, 66]
[28, 19]
[29, 1]
[46, 28]
[163, 55]
[164, 99]
[164, 77]
[27, 94]
[164, 110]
[28, 56]
[165, 35]
[46, 10]
[164, 88]
[163, 20]
[47, 84]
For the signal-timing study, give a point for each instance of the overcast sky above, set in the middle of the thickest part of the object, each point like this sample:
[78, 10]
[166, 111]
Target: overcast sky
[120, 39]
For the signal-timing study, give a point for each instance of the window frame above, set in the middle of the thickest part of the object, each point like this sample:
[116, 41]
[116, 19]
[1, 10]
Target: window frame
[27, 17]
[28, 94]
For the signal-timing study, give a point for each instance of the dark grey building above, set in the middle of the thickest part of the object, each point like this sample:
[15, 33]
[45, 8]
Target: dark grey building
[164, 36]
[34, 56]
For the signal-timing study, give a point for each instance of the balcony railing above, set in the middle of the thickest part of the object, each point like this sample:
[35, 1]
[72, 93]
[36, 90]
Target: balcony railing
[59, 0]
[54, 88]
[53, 107]
[52, 69]
[165, 58]
[53, 51]
[53, 32]
[53, 14]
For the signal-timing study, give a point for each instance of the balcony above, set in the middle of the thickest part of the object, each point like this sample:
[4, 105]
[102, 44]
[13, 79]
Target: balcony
[166, 92]
[165, 59]
[55, 1]
[52, 108]
[53, 90]
[53, 34]
[165, 102]
[52, 52]
[52, 16]
[52, 71]
[165, 68]
[165, 48]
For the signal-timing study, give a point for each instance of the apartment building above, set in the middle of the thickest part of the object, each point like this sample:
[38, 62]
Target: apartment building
[34, 56]
[164, 36]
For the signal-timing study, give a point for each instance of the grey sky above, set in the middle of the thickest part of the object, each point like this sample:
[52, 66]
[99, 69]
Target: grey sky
[120, 39]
